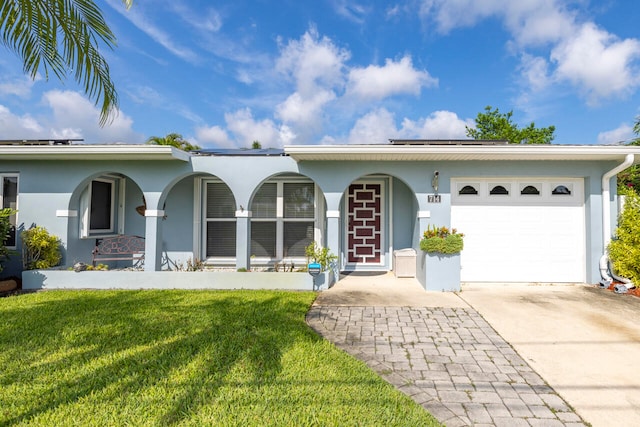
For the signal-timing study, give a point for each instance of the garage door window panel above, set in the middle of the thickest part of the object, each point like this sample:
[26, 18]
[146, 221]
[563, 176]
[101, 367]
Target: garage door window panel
[468, 190]
[561, 190]
[530, 190]
[499, 190]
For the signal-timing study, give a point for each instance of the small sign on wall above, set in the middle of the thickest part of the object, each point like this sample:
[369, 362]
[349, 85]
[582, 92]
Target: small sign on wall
[434, 198]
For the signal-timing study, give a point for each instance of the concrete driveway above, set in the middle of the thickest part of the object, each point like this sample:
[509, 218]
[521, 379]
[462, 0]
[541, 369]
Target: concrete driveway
[584, 341]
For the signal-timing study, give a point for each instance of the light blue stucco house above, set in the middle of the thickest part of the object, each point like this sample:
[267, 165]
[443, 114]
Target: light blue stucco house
[530, 213]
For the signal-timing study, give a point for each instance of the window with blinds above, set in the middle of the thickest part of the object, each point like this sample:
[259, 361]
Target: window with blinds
[283, 219]
[220, 218]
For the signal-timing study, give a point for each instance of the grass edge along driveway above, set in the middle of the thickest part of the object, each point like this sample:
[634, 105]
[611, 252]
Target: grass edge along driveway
[182, 357]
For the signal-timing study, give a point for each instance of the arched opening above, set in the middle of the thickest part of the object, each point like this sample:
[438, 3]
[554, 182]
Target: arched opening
[102, 205]
[379, 214]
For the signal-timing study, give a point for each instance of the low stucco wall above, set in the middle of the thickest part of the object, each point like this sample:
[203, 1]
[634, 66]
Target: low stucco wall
[60, 279]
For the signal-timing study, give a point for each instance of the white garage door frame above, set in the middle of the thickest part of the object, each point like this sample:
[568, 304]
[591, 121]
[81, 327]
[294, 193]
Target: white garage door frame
[520, 229]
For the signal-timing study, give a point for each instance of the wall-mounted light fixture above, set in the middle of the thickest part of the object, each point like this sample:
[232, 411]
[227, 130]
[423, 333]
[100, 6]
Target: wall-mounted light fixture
[434, 181]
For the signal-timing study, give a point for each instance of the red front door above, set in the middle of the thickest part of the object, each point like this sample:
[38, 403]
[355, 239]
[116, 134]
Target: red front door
[364, 224]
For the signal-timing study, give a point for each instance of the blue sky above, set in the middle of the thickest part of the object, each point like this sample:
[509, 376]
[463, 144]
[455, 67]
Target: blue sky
[226, 73]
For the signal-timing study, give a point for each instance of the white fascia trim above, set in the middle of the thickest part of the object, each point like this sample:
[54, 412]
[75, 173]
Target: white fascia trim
[510, 152]
[94, 152]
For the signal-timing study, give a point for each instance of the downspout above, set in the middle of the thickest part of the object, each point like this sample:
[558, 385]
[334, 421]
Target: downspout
[606, 218]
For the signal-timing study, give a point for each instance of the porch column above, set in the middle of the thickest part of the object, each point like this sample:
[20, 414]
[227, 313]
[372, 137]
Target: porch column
[153, 240]
[243, 239]
[333, 232]
[424, 218]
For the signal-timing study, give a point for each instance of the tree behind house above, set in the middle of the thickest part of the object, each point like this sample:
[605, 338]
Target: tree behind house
[492, 124]
[173, 139]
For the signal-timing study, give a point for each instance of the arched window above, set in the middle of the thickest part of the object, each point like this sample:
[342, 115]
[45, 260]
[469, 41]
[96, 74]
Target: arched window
[468, 189]
[530, 190]
[561, 190]
[283, 218]
[499, 190]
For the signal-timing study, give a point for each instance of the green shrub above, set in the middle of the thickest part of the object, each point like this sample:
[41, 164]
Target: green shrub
[40, 249]
[5, 228]
[320, 255]
[624, 249]
[442, 240]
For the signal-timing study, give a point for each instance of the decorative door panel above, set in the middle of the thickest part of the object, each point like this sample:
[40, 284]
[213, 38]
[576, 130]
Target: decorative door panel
[364, 223]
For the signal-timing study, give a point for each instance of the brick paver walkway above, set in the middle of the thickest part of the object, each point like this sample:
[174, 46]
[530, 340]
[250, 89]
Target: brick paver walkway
[449, 360]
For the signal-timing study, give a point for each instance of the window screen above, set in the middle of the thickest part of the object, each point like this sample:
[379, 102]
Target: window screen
[101, 210]
[264, 201]
[263, 239]
[221, 239]
[9, 198]
[220, 201]
[221, 220]
[297, 236]
[299, 200]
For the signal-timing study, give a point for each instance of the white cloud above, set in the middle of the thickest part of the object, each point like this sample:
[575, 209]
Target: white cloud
[378, 126]
[213, 136]
[19, 127]
[246, 130]
[19, 86]
[375, 82]
[375, 127]
[450, 14]
[624, 132]
[136, 17]
[350, 10]
[592, 60]
[304, 111]
[598, 63]
[535, 71]
[438, 125]
[208, 21]
[312, 62]
[75, 116]
[71, 116]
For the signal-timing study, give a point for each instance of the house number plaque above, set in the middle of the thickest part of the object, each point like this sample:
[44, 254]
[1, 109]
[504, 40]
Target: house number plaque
[433, 198]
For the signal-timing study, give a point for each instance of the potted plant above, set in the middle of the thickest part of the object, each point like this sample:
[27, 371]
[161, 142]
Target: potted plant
[442, 247]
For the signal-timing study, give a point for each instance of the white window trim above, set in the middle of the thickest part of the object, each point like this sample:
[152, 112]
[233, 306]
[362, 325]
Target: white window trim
[17, 176]
[117, 213]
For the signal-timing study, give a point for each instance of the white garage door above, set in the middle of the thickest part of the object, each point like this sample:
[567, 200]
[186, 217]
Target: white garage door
[520, 230]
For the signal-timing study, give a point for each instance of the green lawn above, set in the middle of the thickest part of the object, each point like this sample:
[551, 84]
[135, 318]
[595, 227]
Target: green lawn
[182, 357]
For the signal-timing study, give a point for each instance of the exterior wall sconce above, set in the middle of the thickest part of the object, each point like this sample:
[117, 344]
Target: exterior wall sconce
[434, 181]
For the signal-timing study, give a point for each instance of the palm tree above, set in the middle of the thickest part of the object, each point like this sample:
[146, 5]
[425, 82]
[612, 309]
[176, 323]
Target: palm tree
[62, 37]
[173, 139]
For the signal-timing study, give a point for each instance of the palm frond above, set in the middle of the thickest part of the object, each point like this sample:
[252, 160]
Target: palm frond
[62, 37]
